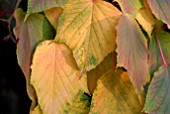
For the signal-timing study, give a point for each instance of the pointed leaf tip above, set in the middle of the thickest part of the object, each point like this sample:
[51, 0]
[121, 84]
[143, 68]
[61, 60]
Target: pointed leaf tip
[89, 31]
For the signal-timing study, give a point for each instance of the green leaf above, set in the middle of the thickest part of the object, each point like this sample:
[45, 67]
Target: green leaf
[132, 50]
[130, 7]
[88, 28]
[55, 77]
[154, 55]
[29, 33]
[115, 94]
[35, 6]
[158, 96]
[160, 9]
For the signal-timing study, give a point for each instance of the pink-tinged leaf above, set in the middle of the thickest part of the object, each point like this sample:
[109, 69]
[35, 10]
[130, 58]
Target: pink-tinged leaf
[161, 9]
[29, 33]
[158, 96]
[154, 55]
[132, 50]
[35, 6]
[130, 7]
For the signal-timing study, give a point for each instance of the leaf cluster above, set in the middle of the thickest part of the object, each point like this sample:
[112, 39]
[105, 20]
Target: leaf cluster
[92, 56]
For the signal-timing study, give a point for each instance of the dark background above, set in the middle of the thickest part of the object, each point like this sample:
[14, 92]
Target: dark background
[13, 95]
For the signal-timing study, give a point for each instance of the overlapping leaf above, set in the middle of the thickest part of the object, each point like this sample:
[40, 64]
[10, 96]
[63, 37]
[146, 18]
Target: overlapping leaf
[55, 77]
[53, 15]
[132, 50]
[154, 55]
[145, 18]
[37, 110]
[35, 6]
[29, 34]
[88, 28]
[130, 7]
[115, 94]
[158, 97]
[95, 74]
[160, 9]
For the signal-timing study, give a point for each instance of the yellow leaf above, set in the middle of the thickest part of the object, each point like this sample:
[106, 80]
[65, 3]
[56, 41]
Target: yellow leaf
[88, 28]
[145, 18]
[37, 110]
[115, 94]
[55, 77]
[95, 74]
[53, 15]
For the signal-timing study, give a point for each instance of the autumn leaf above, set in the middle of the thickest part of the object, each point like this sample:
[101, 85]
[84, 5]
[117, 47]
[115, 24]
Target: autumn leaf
[115, 94]
[29, 33]
[53, 15]
[158, 98]
[154, 55]
[88, 28]
[132, 50]
[95, 74]
[35, 6]
[145, 18]
[130, 7]
[55, 77]
[37, 110]
[160, 9]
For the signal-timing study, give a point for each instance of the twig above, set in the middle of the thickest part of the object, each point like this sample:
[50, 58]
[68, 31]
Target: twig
[160, 49]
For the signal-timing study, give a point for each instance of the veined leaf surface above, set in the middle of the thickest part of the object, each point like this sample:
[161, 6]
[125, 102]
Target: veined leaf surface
[160, 9]
[115, 94]
[130, 7]
[88, 28]
[132, 50]
[158, 96]
[154, 55]
[55, 77]
[35, 6]
[29, 33]
[95, 74]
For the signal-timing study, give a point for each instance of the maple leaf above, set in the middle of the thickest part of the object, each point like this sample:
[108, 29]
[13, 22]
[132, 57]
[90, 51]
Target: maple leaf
[115, 94]
[88, 28]
[161, 10]
[132, 50]
[128, 7]
[158, 98]
[55, 77]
